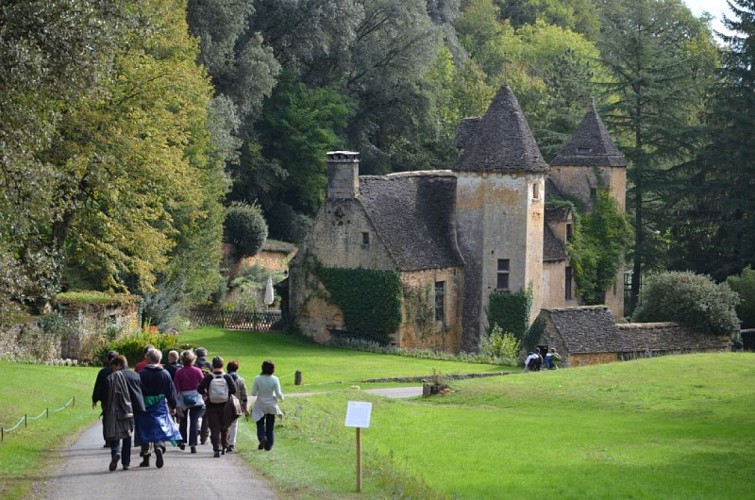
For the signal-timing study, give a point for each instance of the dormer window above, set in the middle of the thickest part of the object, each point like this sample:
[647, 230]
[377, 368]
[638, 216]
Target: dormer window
[584, 151]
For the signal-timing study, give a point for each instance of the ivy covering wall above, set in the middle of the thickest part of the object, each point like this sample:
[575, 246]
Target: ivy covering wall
[370, 300]
[510, 311]
[598, 244]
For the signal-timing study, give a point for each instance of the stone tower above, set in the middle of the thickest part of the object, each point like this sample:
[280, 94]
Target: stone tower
[500, 199]
[589, 161]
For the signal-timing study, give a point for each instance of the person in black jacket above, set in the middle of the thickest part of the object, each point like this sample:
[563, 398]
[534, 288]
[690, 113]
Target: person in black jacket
[99, 393]
[122, 406]
[204, 365]
[214, 412]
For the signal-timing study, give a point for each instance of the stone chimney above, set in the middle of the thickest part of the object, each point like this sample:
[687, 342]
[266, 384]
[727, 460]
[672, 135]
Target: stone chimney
[343, 174]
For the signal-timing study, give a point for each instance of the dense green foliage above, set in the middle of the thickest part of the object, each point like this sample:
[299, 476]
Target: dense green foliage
[689, 299]
[109, 176]
[510, 311]
[744, 285]
[661, 61]
[597, 248]
[118, 148]
[132, 346]
[245, 228]
[713, 233]
[370, 300]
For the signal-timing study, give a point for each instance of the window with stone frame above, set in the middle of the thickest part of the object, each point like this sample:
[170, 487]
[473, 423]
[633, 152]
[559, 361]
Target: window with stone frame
[440, 298]
[502, 281]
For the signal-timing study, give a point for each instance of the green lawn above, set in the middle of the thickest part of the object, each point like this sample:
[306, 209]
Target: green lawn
[30, 390]
[672, 427]
[322, 368]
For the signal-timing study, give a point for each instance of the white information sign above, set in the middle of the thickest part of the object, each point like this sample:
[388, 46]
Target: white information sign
[358, 414]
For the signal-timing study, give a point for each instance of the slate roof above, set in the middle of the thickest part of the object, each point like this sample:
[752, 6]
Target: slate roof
[465, 132]
[553, 248]
[557, 213]
[413, 215]
[590, 146]
[501, 141]
[551, 191]
[667, 337]
[589, 329]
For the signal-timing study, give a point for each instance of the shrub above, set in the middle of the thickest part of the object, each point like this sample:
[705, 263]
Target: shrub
[744, 285]
[133, 346]
[499, 344]
[689, 299]
[245, 228]
[510, 310]
[288, 225]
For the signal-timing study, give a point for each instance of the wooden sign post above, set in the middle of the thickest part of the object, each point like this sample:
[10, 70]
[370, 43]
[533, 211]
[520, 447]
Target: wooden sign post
[358, 415]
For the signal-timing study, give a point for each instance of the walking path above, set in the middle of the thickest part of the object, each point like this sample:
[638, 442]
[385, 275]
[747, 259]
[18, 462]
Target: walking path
[84, 473]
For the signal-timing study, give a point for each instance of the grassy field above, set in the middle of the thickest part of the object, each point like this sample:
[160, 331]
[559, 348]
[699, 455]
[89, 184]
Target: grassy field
[672, 427]
[30, 390]
[322, 368]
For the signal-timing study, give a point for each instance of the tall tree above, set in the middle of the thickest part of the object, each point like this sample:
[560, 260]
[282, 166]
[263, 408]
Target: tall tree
[659, 60]
[56, 55]
[717, 227]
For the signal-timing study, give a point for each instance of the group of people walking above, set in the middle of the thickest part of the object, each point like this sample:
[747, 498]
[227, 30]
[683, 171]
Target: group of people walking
[182, 402]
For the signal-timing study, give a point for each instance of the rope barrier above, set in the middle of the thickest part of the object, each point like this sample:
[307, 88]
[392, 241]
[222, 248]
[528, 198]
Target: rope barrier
[25, 419]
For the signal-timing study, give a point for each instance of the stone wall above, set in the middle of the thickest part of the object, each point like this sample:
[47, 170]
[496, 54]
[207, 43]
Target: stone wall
[499, 217]
[594, 358]
[420, 330]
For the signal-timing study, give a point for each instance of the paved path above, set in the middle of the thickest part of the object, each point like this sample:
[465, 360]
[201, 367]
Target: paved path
[85, 474]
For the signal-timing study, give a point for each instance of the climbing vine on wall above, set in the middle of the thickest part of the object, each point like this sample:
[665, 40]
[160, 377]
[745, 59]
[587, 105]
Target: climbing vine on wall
[597, 246]
[510, 311]
[370, 300]
[420, 309]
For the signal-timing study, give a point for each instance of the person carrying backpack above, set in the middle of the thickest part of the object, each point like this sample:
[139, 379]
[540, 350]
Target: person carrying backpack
[216, 388]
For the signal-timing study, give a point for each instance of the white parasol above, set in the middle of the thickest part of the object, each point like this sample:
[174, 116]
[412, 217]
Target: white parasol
[269, 292]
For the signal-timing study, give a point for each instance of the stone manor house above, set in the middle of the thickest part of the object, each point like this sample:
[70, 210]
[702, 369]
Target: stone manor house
[462, 234]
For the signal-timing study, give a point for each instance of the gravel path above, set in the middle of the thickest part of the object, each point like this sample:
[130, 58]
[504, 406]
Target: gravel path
[84, 474]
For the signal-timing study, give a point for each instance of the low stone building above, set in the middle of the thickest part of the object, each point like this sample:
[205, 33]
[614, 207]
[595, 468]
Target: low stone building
[589, 335]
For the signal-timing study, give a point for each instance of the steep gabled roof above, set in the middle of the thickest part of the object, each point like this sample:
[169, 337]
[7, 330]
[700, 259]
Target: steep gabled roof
[588, 329]
[501, 141]
[553, 248]
[413, 215]
[465, 132]
[590, 146]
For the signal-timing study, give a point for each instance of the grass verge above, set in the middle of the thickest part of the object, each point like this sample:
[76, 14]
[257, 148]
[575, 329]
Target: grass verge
[672, 427]
[27, 452]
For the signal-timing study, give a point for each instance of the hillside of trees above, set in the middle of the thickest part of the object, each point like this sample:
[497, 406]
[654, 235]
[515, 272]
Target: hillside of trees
[127, 127]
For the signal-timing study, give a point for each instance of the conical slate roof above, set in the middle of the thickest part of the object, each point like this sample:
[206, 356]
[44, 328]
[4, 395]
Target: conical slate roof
[501, 141]
[590, 146]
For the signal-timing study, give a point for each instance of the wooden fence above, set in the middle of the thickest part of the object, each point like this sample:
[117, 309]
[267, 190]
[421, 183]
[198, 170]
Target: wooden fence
[264, 321]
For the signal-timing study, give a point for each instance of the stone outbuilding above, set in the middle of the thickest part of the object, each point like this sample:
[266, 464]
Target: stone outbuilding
[589, 335]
